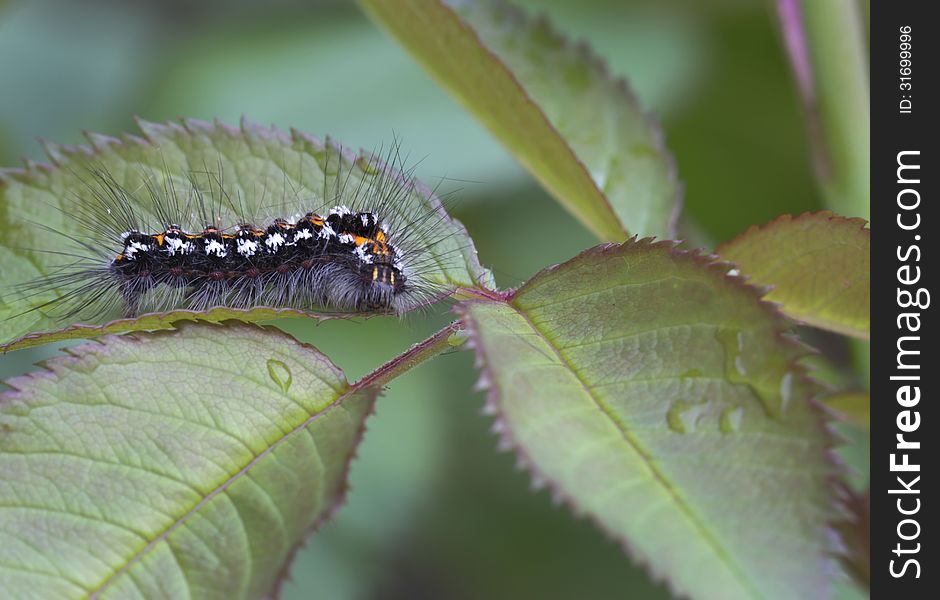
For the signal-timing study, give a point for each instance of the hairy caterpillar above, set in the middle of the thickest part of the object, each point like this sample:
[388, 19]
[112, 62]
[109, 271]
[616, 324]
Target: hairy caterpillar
[361, 245]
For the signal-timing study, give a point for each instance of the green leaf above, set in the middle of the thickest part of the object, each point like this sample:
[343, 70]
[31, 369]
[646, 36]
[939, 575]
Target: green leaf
[194, 479]
[819, 265]
[263, 168]
[661, 397]
[578, 130]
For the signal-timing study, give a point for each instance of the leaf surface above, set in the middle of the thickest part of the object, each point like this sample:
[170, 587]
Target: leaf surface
[819, 265]
[249, 170]
[180, 466]
[659, 396]
[579, 131]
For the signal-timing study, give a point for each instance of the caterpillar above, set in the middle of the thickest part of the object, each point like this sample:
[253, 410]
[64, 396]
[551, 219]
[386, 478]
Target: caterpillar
[343, 260]
[158, 247]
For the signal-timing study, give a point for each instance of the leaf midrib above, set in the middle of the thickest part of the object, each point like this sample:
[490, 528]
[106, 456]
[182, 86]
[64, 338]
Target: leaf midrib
[657, 476]
[163, 535]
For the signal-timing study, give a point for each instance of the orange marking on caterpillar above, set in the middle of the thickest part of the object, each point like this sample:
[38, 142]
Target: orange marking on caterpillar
[378, 247]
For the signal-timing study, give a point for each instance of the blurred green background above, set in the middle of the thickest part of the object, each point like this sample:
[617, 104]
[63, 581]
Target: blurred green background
[435, 511]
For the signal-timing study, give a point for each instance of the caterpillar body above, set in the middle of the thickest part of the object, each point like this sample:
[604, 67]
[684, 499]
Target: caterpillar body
[342, 260]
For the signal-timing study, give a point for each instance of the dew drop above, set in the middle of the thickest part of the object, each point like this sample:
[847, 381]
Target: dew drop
[280, 374]
[730, 420]
[776, 402]
[732, 341]
[683, 416]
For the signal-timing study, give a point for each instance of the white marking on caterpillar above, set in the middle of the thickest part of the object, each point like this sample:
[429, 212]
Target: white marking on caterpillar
[274, 241]
[360, 252]
[327, 232]
[246, 247]
[398, 263]
[133, 248]
[346, 239]
[216, 247]
[341, 210]
[302, 234]
[176, 246]
[365, 220]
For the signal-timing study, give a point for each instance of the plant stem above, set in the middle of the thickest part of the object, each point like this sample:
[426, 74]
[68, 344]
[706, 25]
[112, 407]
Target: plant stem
[826, 45]
[420, 352]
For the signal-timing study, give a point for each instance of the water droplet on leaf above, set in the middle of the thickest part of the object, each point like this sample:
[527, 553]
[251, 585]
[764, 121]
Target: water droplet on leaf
[683, 416]
[734, 343]
[731, 417]
[280, 374]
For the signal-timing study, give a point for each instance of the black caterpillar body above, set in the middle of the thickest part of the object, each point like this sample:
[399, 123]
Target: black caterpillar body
[342, 260]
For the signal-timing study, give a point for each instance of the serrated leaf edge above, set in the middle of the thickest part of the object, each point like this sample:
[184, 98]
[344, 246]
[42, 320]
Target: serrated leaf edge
[826, 215]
